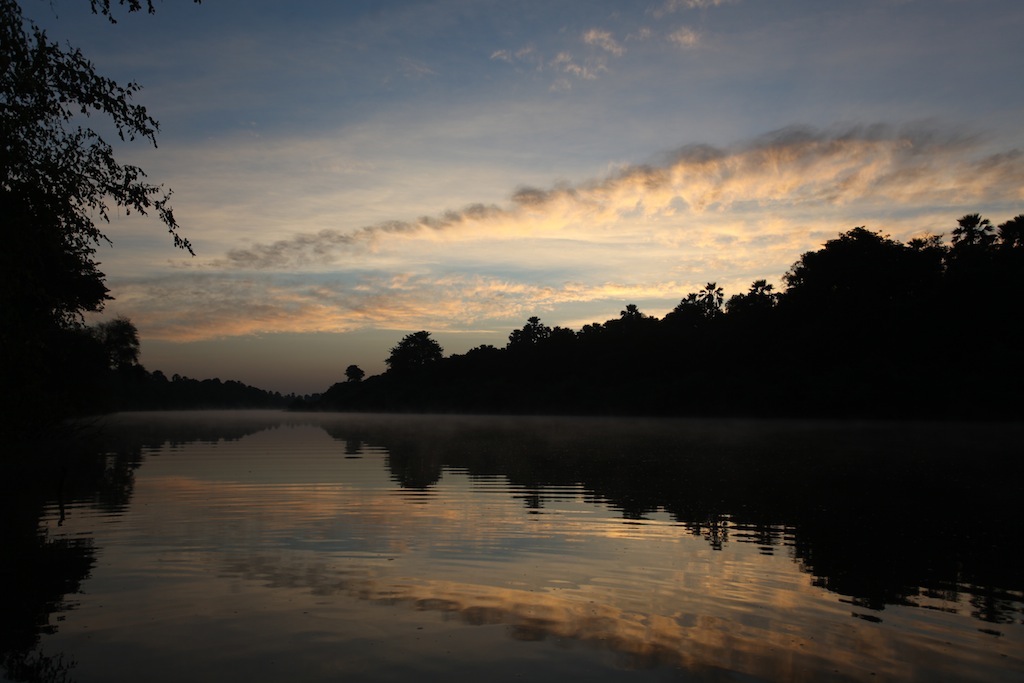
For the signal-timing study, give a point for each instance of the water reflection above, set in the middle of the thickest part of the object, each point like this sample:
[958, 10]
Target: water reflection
[40, 569]
[671, 545]
[939, 503]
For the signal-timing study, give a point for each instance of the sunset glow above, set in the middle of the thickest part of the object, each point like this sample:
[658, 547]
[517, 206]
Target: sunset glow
[350, 174]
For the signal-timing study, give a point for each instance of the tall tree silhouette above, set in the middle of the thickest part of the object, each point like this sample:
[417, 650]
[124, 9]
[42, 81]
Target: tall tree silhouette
[973, 231]
[1011, 233]
[757, 301]
[532, 333]
[58, 180]
[711, 298]
[120, 339]
[414, 351]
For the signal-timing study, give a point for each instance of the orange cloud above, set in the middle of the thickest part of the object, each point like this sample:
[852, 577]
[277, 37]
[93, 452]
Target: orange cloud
[644, 232]
[783, 171]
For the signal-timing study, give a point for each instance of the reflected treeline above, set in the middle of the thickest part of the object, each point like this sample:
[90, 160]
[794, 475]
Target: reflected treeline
[95, 370]
[151, 430]
[40, 570]
[866, 326]
[88, 463]
[921, 514]
[887, 514]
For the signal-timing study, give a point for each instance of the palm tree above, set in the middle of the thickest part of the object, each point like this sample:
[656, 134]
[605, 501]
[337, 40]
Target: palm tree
[632, 311]
[1011, 233]
[973, 230]
[711, 299]
[533, 333]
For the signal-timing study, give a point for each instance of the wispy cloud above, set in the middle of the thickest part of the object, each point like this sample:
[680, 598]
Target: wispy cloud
[192, 308]
[642, 233]
[414, 69]
[787, 169]
[565, 64]
[671, 6]
[685, 37]
[603, 40]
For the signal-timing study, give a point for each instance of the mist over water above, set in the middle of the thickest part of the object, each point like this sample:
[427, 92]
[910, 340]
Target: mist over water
[271, 546]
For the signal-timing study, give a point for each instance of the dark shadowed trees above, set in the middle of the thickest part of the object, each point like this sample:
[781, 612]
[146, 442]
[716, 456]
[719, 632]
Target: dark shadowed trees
[860, 270]
[1011, 233]
[60, 177]
[532, 333]
[973, 231]
[867, 327]
[354, 373]
[120, 340]
[710, 299]
[59, 180]
[696, 310]
[414, 351]
[758, 301]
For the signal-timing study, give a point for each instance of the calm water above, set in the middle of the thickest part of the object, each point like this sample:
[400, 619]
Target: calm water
[269, 547]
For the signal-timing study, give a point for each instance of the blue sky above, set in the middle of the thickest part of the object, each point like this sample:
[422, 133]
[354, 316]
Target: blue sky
[350, 172]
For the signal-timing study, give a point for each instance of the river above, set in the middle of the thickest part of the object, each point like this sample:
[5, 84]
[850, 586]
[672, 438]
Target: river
[270, 546]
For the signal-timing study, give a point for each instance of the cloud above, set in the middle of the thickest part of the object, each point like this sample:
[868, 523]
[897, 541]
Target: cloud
[187, 307]
[678, 628]
[320, 248]
[646, 233]
[564, 62]
[684, 37]
[672, 6]
[786, 169]
[413, 69]
[526, 54]
[603, 40]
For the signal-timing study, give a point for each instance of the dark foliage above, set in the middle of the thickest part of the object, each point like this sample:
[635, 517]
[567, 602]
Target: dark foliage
[137, 389]
[58, 179]
[938, 501]
[414, 352]
[866, 327]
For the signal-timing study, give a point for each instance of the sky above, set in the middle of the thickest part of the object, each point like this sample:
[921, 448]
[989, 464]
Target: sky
[352, 172]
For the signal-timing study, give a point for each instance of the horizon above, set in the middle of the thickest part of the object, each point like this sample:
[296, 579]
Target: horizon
[459, 167]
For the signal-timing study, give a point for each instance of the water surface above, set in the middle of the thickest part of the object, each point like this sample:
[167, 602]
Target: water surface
[270, 546]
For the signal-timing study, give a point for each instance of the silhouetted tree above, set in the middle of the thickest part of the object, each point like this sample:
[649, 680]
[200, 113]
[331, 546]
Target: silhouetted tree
[757, 301]
[1011, 233]
[120, 340]
[532, 333]
[631, 312]
[865, 327]
[632, 321]
[414, 351]
[973, 231]
[561, 336]
[711, 298]
[58, 179]
[696, 308]
[860, 270]
[354, 373]
[484, 350]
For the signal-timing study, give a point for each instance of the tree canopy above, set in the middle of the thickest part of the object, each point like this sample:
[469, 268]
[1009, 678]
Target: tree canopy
[414, 351]
[866, 326]
[59, 181]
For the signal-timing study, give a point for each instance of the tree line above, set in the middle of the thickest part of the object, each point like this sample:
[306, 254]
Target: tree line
[866, 326]
[105, 375]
